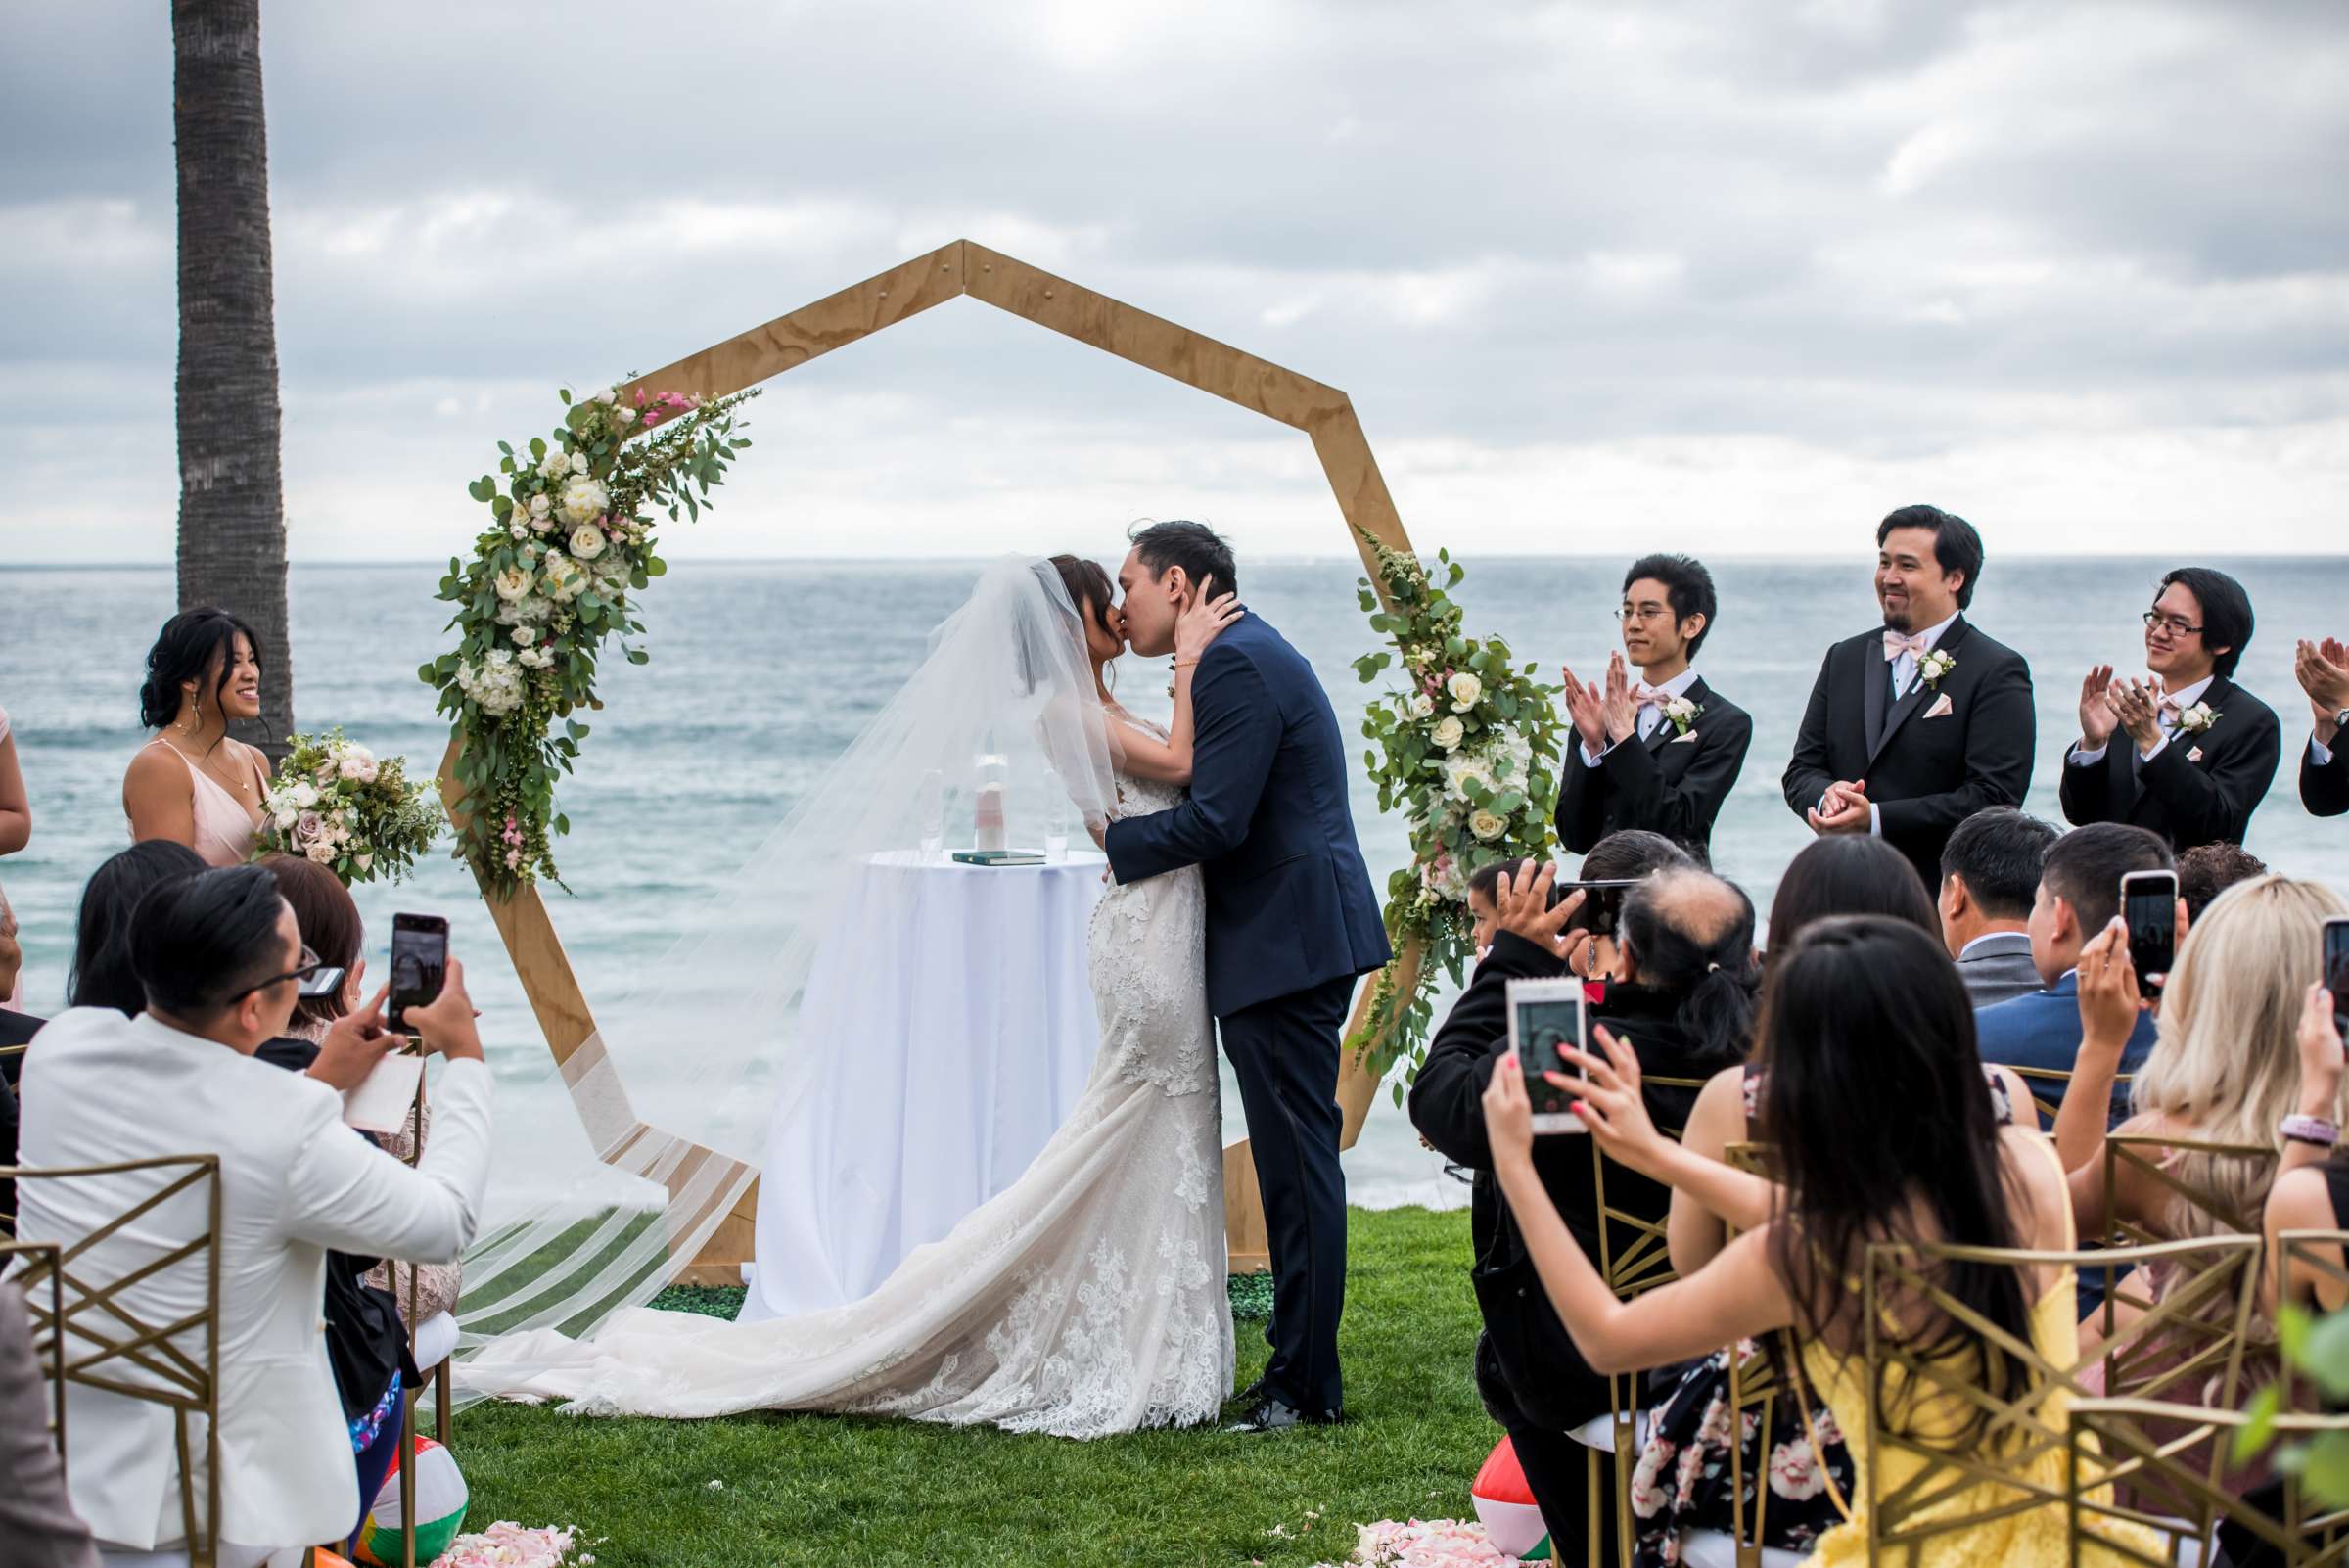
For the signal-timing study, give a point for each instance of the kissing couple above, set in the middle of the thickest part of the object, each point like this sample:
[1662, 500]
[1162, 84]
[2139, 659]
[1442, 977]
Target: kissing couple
[1087, 1298]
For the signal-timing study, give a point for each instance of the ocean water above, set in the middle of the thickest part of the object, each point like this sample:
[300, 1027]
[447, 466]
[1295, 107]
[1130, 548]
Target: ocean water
[763, 672]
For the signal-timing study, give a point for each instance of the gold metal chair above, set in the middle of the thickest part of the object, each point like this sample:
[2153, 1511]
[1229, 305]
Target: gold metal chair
[2059, 1081]
[1755, 1387]
[47, 1256]
[2144, 1154]
[2212, 1280]
[2126, 1466]
[409, 1397]
[99, 1341]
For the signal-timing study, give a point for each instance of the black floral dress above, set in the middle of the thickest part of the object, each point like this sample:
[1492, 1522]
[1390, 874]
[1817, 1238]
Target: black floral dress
[1685, 1478]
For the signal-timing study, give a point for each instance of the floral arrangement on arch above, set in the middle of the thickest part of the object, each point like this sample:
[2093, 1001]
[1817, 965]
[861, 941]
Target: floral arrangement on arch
[551, 580]
[333, 802]
[1464, 748]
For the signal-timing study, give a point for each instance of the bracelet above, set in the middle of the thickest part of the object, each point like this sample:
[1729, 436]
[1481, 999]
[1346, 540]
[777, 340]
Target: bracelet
[1185, 663]
[2310, 1130]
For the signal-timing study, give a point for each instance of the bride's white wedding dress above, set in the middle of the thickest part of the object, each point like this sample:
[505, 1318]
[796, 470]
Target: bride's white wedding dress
[1086, 1299]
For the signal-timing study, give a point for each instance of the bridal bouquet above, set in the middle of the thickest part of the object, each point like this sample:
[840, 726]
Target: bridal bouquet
[335, 802]
[1464, 748]
[552, 580]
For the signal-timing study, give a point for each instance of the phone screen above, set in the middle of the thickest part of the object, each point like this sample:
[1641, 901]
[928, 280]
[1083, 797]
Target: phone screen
[418, 964]
[2150, 908]
[1541, 1027]
[2336, 971]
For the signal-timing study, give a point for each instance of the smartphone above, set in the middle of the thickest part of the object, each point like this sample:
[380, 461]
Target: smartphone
[2149, 910]
[419, 965]
[1544, 1015]
[1602, 902]
[2335, 970]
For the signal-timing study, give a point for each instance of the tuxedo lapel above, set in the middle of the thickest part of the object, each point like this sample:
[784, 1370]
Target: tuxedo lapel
[1920, 691]
[1876, 679]
[1664, 734]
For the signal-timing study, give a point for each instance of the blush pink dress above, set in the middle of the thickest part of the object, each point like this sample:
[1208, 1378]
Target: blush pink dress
[224, 829]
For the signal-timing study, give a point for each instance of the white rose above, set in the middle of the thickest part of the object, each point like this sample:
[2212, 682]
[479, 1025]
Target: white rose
[362, 862]
[584, 500]
[523, 637]
[561, 577]
[1447, 733]
[578, 462]
[1421, 705]
[554, 465]
[1465, 689]
[512, 582]
[320, 851]
[1486, 826]
[541, 504]
[519, 529]
[586, 541]
[627, 416]
[358, 766]
[606, 396]
[305, 793]
[285, 817]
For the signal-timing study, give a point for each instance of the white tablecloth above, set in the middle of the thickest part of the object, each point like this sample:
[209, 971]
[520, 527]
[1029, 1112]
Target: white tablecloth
[947, 1048]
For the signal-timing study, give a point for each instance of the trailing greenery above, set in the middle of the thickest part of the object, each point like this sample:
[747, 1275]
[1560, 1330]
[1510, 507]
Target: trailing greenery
[808, 1490]
[568, 542]
[1465, 747]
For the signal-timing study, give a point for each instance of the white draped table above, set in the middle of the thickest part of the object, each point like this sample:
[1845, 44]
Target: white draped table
[947, 1047]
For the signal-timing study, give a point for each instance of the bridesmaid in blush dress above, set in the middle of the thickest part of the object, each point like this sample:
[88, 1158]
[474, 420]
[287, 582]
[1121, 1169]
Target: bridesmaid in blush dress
[191, 782]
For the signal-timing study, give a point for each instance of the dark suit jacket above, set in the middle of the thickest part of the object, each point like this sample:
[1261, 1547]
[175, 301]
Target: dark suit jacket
[1998, 968]
[1552, 1382]
[2043, 1031]
[1925, 775]
[1670, 783]
[1289, 903]
[2199, 789]
[2325, 791]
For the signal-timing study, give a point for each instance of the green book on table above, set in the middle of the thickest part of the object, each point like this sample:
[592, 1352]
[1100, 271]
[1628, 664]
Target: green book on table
[999, 857]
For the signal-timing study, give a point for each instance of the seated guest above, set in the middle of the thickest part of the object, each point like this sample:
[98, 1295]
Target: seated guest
[2209, 869]
[222, 962]
[2322, 670]
[1988, 876]
[1484, 906]
[37, 1521]
[2200, 751]
[2079, 895]
[1839, 876]
[1682, 995]
[1864, 1021]
[1660, 753]
[102, 974]
[193, 782]
[1625, 856]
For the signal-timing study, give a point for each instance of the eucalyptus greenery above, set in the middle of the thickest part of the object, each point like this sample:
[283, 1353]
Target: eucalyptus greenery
[552, 580]
[1465, 748]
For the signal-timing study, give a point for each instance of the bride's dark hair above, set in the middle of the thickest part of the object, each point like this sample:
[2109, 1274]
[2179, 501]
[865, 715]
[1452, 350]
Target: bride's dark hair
[1863, 1023]
[1088, 588]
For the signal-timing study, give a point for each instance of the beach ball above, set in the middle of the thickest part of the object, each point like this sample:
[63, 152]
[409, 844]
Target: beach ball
[1505, 1505]
[439, 1508]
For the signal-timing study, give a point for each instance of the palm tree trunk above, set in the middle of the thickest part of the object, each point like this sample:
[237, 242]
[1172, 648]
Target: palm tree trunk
[232, 504]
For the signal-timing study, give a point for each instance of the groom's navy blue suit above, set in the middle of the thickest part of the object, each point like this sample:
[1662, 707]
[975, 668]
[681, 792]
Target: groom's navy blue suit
[1291, 921]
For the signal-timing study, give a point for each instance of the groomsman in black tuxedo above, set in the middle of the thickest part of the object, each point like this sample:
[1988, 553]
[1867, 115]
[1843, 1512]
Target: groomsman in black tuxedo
[1915, 726]
[2188, 754]
[1664, 753]
[2323, 673]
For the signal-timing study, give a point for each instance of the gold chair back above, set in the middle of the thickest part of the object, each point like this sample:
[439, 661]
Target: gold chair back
[46, 1256]
[2211, 1212]
[1754, 1386]
[94, 1338]
[2124, 1467]
[2043, 1081]
[2212, 1279]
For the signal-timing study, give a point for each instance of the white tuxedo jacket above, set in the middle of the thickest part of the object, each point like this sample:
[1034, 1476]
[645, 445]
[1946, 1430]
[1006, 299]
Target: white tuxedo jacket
[98, 1087]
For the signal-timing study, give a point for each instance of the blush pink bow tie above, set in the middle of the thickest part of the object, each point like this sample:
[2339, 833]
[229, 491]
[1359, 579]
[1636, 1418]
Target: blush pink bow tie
[1896, 645]
[1648, 697]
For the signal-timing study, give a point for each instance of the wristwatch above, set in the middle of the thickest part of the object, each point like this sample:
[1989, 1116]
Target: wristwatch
[2340, 720]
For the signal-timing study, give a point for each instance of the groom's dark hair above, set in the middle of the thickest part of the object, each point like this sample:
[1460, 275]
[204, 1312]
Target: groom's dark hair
[1193, 546]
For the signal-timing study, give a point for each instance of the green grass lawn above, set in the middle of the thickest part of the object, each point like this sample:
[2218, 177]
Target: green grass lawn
[834, 1491]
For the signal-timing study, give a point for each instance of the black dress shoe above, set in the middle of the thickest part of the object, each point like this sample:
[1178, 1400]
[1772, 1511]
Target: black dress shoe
[1273, 1414]
[1250, 1395]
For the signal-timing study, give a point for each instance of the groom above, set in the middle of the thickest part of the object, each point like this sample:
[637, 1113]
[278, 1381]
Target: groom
[1290, 922]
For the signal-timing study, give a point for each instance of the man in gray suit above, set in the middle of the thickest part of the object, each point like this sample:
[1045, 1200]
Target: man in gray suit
[1989, 875]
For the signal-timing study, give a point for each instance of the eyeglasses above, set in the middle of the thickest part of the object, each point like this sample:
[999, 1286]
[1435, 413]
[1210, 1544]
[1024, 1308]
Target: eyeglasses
[2175, 628]
[1644, 612]
[315, 978]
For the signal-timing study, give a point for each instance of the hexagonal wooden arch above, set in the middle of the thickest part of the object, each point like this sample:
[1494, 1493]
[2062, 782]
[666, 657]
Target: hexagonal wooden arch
[960, 268]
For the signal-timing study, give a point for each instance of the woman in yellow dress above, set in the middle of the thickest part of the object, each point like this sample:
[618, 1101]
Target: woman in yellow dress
[1887, 1135]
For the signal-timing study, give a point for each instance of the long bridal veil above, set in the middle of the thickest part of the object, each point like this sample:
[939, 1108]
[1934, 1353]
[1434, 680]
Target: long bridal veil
[679, 1084]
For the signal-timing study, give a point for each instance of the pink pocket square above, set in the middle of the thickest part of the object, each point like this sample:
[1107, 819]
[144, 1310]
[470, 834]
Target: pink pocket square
[1688, 739]
[2194, 755]
[1942, 706]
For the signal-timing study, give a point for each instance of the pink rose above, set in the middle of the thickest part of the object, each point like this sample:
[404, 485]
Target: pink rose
[307, 828]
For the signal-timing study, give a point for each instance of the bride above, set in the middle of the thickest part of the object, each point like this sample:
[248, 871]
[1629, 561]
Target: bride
[1088, 1297]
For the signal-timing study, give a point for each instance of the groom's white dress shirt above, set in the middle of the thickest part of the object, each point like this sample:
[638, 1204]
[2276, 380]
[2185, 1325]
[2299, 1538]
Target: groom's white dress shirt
[2166, 717]
[98, 1088]
[1650, 714]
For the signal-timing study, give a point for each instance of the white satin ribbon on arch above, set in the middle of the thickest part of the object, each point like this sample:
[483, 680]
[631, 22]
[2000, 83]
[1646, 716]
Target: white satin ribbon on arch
[676, 1088]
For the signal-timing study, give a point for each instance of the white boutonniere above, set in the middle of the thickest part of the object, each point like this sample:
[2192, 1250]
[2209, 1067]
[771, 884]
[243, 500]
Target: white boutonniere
[1682, 713]
[1934, 666]
[2197, 719]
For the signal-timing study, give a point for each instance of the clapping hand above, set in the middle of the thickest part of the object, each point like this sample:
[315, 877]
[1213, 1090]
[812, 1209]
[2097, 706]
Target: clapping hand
[2137, 704]
[1621, 713]
[1202, 619]
[2110, 1001]
[1588, 711]
[2097, 721]
[1610, 1104]
[2323, 671]
[1523, 900]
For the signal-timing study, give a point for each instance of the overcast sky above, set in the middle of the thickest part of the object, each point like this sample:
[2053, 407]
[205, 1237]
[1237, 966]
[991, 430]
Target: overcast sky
[1734, 277]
